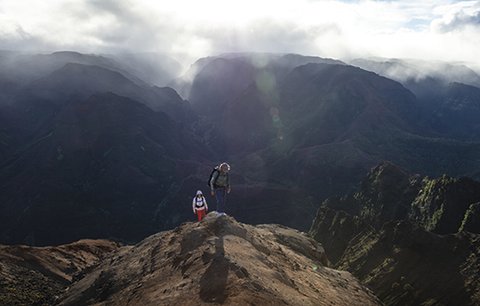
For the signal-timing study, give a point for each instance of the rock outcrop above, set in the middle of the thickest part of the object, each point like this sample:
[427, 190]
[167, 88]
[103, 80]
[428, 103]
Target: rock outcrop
[220, 261]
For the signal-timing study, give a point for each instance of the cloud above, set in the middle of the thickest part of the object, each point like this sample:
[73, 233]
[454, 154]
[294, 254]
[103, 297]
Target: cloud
[188, 29]
[459, 21]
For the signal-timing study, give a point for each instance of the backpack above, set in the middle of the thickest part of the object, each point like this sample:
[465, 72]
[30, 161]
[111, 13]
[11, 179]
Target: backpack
[215, 169]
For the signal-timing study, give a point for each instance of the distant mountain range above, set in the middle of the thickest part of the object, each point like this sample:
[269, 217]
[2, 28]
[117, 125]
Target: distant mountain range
[151, 68]
[448, 93]
[82, 131]
[321, 125]
[409, 71]
[91, 148]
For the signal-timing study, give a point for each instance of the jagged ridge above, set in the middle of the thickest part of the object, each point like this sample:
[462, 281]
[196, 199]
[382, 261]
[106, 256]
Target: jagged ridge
[387, 235]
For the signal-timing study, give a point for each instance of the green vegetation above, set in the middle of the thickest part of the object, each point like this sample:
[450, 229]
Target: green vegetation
[471, 220]
[31, 288]
[429, 205]
[393, 246]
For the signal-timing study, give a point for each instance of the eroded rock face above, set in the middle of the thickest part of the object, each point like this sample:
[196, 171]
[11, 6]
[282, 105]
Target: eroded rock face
[389, 193]
[412, 240]
[407, 265]
[220, 261]
[442, 203]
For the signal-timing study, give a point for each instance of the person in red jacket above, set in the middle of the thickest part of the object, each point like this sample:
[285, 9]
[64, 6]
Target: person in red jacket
[199, 205]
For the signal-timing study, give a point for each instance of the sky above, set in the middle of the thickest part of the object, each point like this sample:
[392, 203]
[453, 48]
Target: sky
[188, 29]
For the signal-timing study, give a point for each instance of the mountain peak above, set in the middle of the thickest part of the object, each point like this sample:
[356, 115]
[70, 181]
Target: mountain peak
[68, 54]
[91, 69]
[220, 260]
[386, 169]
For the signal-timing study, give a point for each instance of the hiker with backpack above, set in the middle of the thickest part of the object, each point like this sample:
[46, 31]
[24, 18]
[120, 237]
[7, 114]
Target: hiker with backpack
[219, 183]
[199, 205]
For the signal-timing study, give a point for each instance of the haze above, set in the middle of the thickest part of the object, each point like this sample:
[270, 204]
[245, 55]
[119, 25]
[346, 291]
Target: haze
[188, 29]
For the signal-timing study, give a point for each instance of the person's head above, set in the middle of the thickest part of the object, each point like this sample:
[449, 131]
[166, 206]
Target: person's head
[224, 167]
[199, 193]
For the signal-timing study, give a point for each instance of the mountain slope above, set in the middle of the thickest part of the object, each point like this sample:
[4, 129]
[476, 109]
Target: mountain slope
[455, 111]
[417, 73]
[448, 93]
[36, 276]
[155, 68]
[98, 168]
[406, 265]
[278, 64]
[248, 107]
[386, 234]
[220, 261]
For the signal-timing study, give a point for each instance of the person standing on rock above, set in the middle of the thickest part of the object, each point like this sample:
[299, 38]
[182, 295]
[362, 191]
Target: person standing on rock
[199, 205]
[220, 185]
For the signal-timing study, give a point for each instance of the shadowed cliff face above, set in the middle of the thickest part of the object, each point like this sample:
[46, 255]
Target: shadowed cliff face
[90, 151]
[387, 234]
[98, 168]
[220, 261]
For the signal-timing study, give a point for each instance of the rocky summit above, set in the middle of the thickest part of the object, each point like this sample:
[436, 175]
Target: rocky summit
[220, 261]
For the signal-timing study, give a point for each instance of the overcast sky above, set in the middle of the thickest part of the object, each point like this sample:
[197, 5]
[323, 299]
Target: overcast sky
[442, 30]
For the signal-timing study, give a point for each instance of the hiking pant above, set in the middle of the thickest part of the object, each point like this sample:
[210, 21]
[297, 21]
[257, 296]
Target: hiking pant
[201, 213]
[221, 196]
